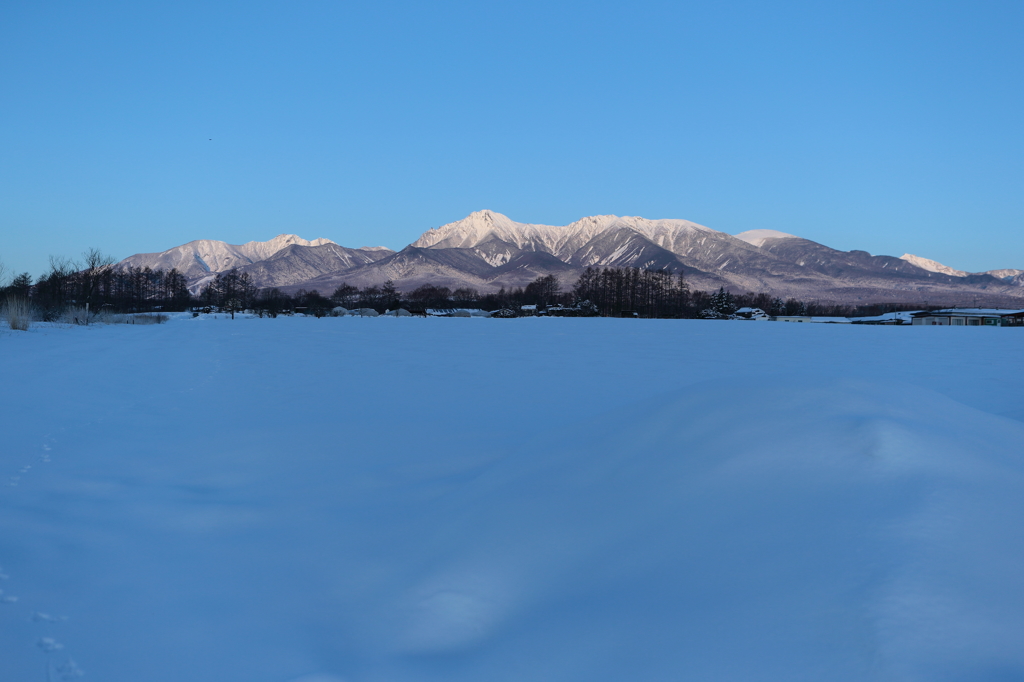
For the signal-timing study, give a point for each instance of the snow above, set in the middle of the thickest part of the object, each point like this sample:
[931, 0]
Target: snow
[830, 320]
[355, 499]
[257, 250]
[758, 237]
[932, 266]
[212, 256]
[980, 311]
[560, 240]
[904, 316]
[1004, 273]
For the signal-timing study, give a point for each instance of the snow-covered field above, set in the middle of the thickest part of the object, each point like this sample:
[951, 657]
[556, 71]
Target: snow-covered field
[487, 500]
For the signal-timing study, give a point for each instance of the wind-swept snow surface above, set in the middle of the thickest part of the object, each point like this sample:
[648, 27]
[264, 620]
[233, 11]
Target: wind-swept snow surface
[469, 499]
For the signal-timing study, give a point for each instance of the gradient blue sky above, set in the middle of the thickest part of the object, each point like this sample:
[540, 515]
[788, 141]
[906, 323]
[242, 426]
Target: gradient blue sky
[883, 126]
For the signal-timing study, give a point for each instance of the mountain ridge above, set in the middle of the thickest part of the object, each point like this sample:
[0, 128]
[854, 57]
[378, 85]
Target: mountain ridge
[487, 250]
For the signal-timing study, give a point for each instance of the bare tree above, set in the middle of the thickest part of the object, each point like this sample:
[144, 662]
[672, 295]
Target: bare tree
[97, 266]
[55, 289]
[247, 291]
[346, 295]
[543, 290]
[228, 291]
[466, 296]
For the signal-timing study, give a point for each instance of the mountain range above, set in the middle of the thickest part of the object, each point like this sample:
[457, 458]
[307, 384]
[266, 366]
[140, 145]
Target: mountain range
[487, 251]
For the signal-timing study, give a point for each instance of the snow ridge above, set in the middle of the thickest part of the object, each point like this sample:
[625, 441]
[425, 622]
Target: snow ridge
[559, 240]
[932, 266]
[203, 256]
[758, 237]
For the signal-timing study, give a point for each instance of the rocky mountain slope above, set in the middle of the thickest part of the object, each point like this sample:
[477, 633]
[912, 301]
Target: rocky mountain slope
[487, 251]
[281, 261]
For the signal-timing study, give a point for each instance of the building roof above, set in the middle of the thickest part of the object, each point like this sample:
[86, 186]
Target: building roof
[970, 312]
[902, 315]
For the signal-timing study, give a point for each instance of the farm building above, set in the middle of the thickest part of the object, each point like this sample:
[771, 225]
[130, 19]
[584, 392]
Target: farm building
[970, 317]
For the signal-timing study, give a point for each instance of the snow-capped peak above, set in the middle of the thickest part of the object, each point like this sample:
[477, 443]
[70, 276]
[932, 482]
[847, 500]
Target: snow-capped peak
[470, 231]
[262, 250]
[932, 266]
[758, 237]
[212, 256]
[560, 240]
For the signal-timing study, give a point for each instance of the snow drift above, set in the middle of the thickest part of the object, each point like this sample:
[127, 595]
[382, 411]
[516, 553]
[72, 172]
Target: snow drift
[579, 499]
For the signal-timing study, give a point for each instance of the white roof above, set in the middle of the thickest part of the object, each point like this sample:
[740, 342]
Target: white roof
[899, 315]
[995, 312]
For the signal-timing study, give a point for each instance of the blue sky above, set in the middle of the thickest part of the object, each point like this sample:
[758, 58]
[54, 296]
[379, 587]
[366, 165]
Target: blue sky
[882, 126]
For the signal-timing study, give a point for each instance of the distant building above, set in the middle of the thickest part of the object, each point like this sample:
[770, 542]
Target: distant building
[455, 312]
[970, 317]
[751, 314]
[808, 318]
[898, 317]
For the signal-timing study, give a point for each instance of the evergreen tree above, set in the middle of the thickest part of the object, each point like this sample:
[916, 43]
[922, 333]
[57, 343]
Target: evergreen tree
[722, 302]
[21, 285]
[390, 296]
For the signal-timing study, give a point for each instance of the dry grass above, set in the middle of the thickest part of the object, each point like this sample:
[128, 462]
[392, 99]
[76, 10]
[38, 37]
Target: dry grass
[122, 318]
[18, 313]
[72, 315]
[153, 318]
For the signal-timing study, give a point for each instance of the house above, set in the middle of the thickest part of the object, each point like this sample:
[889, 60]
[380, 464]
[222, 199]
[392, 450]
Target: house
[898, 317]
[970, 317]
[751, 314]
[808, 318]
[456, 312]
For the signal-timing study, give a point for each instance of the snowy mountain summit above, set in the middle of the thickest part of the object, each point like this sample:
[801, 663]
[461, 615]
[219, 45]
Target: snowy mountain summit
[1011, 276]
[759, 237]
[488, 251]
[204, 256]
[561, 241]
[262, 250]
[932, 266]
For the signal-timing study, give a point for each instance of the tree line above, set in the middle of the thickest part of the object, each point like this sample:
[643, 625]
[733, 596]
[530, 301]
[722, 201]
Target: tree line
[607, 292]
[97, 284]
